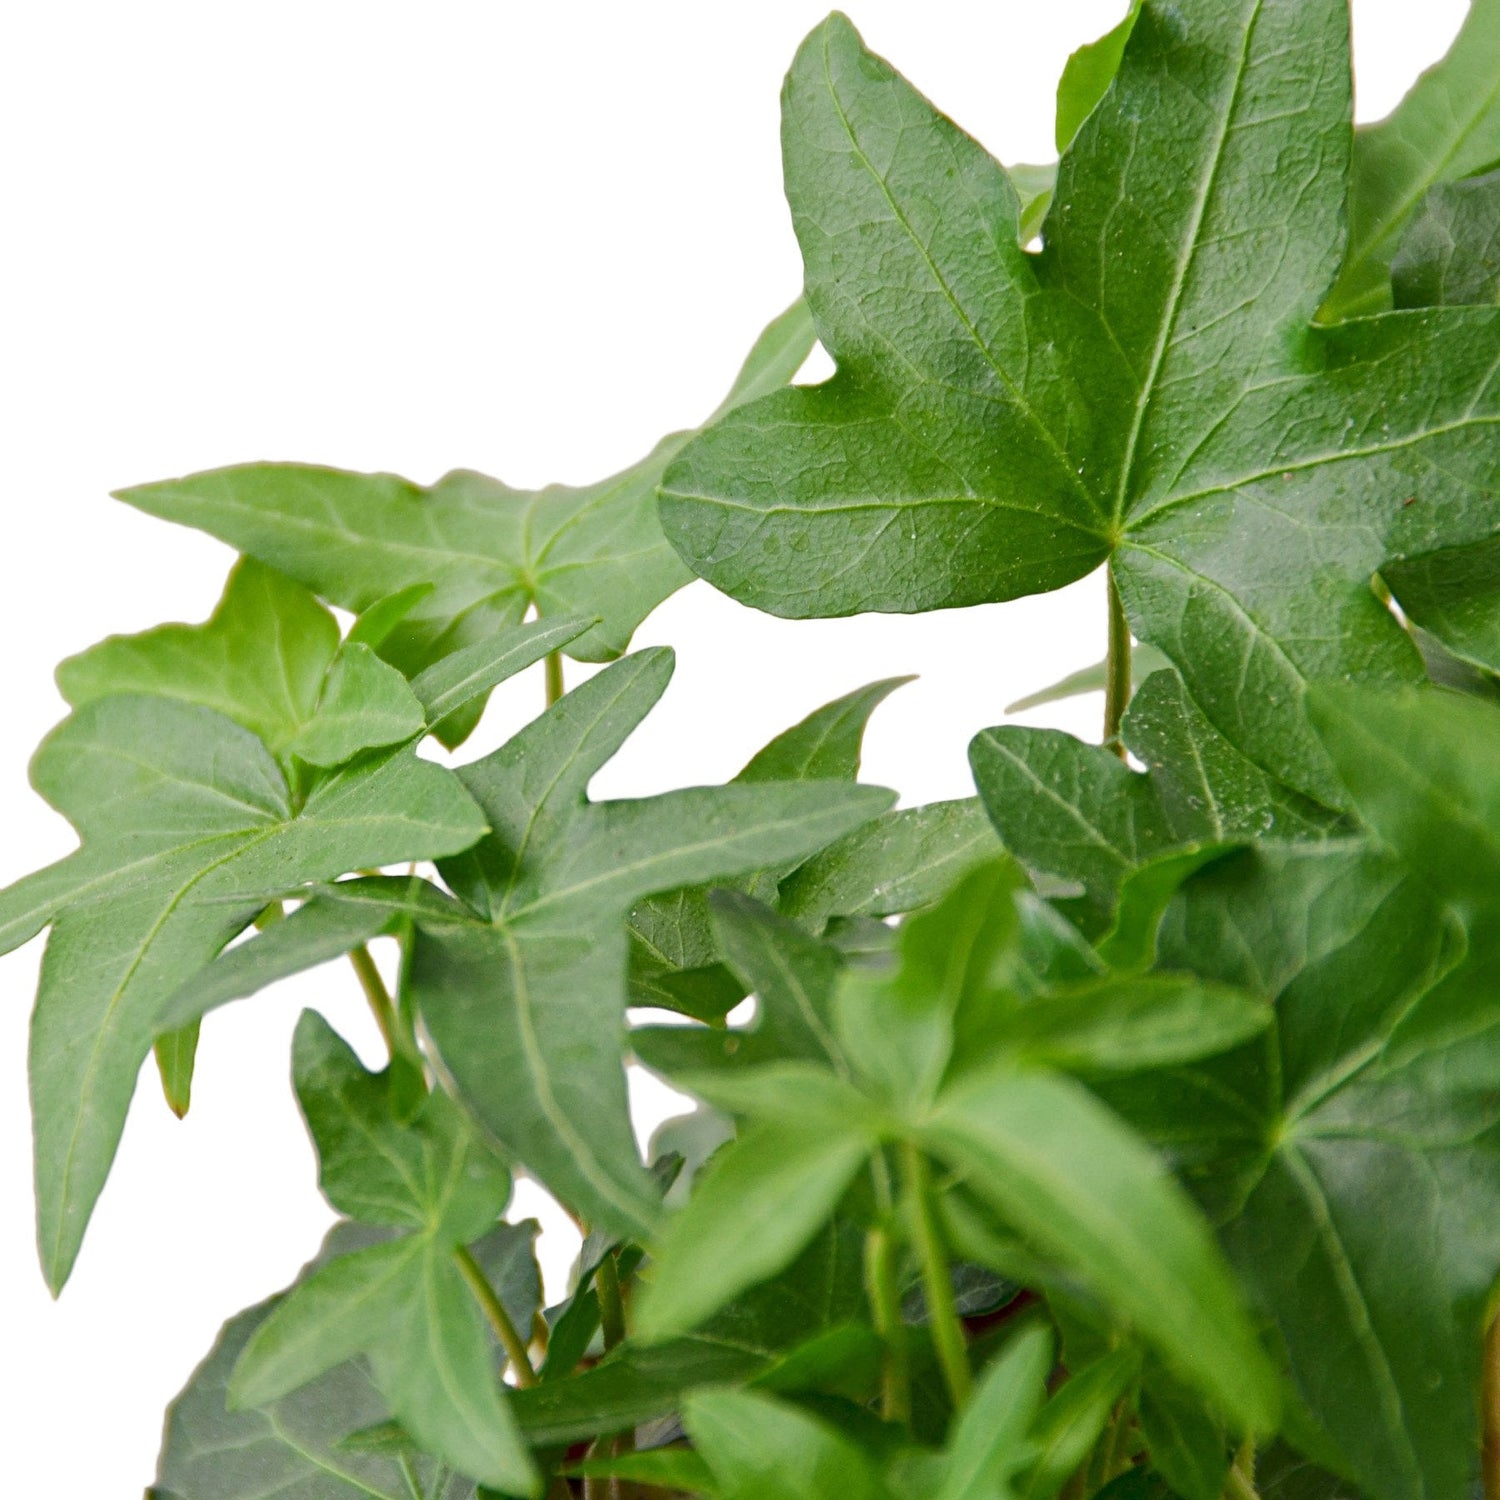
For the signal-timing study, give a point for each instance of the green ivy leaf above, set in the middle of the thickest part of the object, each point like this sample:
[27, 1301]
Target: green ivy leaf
[299, 1445]
[1150, 390]
[487, 552]
[759, 1448]
[1379, 1314]
[403, 1303]
[1446, 128]
[1062, 1170]
[188, 829]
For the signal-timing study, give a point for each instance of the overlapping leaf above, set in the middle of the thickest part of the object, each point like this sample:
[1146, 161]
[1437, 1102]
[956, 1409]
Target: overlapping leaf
[1296, 1141]
[487, 552]
[1149, 390]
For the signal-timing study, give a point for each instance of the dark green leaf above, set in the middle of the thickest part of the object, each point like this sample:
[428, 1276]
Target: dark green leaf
[1188, 1446]
[1149, 390]
[1379, 1314]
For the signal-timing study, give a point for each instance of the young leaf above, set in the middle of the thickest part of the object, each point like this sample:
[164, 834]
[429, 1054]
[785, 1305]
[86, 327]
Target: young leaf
[488, 552]
[1188, 1446]
[826, 745]
[762, 1449]
[1071, 1422]
[1446, 128]
[525, 1001]
[1149, 390]
[188, 830]
[782, 1178]
[1130, 1022]
[989, 1444]
[1450, 256]
[1144, 660]
[1084, 1190]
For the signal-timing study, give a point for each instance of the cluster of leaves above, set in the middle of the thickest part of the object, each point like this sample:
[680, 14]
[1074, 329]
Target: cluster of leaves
[1126, 1129]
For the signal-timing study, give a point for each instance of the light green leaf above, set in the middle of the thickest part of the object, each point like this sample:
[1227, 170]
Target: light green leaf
[428, 1174]
[677, 1470]
[525, 1002]
[364, 702]
[452, 683]
[762, 1449]
[989, 1444]
[1063, 1170]
[786, 1179]
[1447, 127]
[260, 660]
[188, 831]
[488, 552]
[1130, 1022]
[1450, 256]
[826, 744]
[1144, 660]
[1087, 75]
[1150, 390]
[1071, 1422]
[374, 624]
[175, 1052]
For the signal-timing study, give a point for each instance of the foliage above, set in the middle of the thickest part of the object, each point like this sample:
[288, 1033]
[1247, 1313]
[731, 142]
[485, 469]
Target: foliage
[1129, 1128]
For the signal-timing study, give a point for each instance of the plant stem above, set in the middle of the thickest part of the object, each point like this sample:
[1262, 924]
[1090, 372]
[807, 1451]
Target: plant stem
[1491, 1460]
[494, 1309]
[937, 1281]
[611, 1303]
[1240, 1483]
[379, 997]
[555, 686]
[1117, 671]
[885, 1303]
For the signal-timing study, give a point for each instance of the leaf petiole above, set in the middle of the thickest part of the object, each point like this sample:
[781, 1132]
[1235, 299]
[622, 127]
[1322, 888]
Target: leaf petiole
[937, 1283]
[494, 1310]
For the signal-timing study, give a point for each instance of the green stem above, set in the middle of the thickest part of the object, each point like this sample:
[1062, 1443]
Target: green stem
[885, 1303]
[611, 1303]
[1491, 1460]
[937, 1280]
[1117, 671]
[1240, 1483]
[379, 997]
[555, 687]
[494, 1309]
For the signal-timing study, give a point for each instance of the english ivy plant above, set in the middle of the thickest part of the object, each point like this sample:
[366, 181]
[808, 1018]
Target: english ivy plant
[1129, 1128]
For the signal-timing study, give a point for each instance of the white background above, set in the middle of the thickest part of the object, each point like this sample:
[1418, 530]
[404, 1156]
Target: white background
[525, 239]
